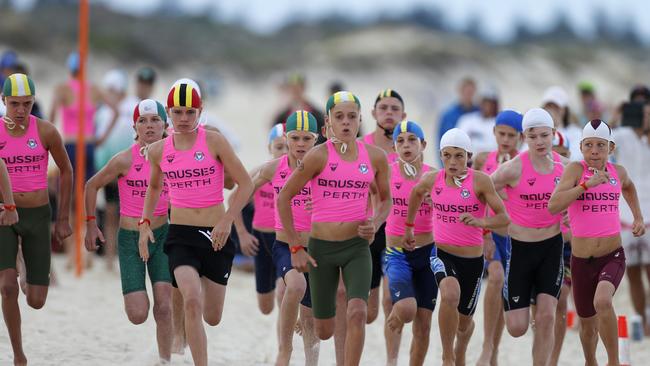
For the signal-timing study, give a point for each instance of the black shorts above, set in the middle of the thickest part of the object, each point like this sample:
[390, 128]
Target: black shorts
[264, 269]
[377, 252]
[468, 272]
[191, 246]
[534, 268]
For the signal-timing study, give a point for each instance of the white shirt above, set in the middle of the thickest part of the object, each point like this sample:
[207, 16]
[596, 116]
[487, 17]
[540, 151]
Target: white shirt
[480, 131]
[121, 136]
[573, 134]
[633, 153]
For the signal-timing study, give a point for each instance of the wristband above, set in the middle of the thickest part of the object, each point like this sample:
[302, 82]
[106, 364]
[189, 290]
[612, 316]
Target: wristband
[10, 207]
[486, 231]
[90, 218]
[408, 224]
[583, 184]
[143, 221]
[296, 249]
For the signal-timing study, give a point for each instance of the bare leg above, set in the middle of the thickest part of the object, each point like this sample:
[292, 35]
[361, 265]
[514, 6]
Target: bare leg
[607, 324]
[492, 312]
[560, 325]
[11, 312]
[393, 339]
[421, 332]
[356, 331]
[189, 284]
[637, 292]
[589, 339]
[448, 317]
[373, 304]
[22, 271]
[544, 327]
[340, 329]
[293, 293]
[465, 330]
[112, 219]
[162, 313]
[309, 339]
[179, 341]
[265, 302]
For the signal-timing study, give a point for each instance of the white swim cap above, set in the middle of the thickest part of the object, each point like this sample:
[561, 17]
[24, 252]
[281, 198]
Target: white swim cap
[556, 95]
[597, 128]
[456, 138]
[116, 80]
[537, 117]
[189, 82]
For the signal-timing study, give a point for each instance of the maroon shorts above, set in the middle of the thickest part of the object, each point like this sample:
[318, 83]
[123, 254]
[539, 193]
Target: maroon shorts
[587, 272]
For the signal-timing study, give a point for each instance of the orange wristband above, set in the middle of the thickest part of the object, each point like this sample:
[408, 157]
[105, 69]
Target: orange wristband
[584, 185]
[10, 207]
[408, 224]
[144, 221]
[296, 249]
[90, 218]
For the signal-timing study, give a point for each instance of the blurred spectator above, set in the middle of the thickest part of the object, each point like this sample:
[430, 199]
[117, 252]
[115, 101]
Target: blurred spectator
[145, 81]
[556, 102]
[294, 86]
[591, 107]
[335, 86]
[8, 62]
[479, 125]
[464, 105]
[633, 152]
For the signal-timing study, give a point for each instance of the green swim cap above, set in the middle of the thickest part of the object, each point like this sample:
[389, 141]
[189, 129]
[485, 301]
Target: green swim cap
[340, 97]
[18, 85]
[301, 121]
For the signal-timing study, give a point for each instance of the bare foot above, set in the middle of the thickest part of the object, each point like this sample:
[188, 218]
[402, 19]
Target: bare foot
[395, 324]
[484, 359]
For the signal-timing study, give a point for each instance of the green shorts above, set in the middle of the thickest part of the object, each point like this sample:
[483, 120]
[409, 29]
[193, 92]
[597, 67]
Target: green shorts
[33, 228]
[132, 268]
[352, 258]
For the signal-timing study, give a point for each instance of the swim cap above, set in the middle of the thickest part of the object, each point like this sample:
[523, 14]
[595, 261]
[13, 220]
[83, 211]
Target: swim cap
[555, 95]
[560, 140]
[73, 62]
[183, 95]
[456, 138]
[276, 131]
[388, 93]
[509, 118]
[597, 128]
[408, 126]
[190, 82]
[18, 85]
[537, 117]
[8, 60]
[340, 97]
[301, 121]
[116, 80]
[149, 106]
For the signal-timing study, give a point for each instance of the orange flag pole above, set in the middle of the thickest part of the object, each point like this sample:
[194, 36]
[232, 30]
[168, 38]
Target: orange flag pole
[80, 167]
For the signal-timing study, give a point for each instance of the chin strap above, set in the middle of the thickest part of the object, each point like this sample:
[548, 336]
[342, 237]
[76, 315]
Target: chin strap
[191, 131]
[409, 168]
[10, 123]
[144, 151]
[335, 140]
[387, 132]
[458, 181]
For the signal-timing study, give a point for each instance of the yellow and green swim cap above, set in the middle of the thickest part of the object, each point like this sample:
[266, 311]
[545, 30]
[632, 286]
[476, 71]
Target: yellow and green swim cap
[301, 121]
[340, 97]
[18, 85]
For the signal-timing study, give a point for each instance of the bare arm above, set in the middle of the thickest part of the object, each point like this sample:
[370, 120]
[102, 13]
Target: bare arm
[118, 165]
[235, 169]
[418, 193]
[55, 147]
[5, 185]
[489, 194]
[155, 187]
[507, 174]
[382, 178]
[479, 161]
[629, 193]
[311, 166]
[567, 190]
[260, 177]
